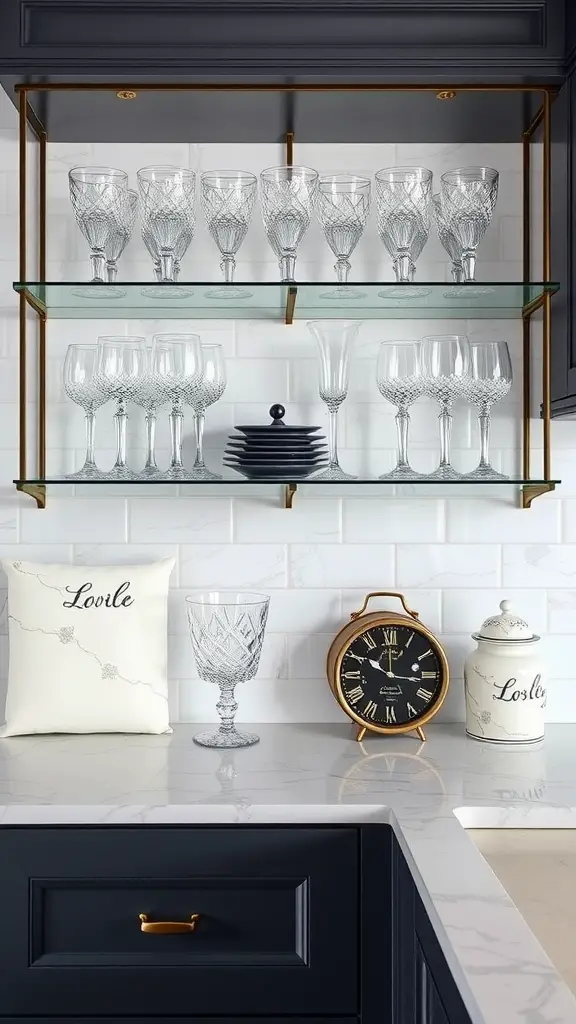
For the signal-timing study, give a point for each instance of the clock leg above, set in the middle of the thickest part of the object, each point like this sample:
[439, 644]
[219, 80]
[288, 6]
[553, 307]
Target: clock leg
[361, 734]
[420, 732]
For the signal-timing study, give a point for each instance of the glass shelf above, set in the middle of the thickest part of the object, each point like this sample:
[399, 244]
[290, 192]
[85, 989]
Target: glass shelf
[307, 481]
[276, 301]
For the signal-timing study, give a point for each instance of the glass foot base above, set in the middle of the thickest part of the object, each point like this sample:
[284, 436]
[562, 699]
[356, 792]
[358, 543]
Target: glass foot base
[486, 473]
[87, 474]
[120, 473]
[99, 291]
[221, 738]
[344, 292]
[176, 473]
[468, 291]
[150, 472]
[166, 291]
[404, 291]
[228, 291]
[401, 473]
[333, 473]
[445, 473]
[203, 473]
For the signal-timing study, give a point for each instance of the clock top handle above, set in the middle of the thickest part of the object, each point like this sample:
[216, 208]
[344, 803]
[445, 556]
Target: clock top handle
[385, 593]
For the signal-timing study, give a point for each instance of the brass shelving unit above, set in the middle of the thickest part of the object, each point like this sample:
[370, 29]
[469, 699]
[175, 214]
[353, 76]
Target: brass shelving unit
[54, 299]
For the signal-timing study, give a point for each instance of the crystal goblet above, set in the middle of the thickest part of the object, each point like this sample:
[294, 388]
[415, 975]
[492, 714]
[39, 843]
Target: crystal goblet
[448, 240]
[179, 378]
[468, 196]
[82, 385]
[152, 395]
[227, 631]
[403, 206]
[97, 195]
[209, 391]
[342, 205]
[400, 381]
[168, 223]
[120, 232]
[122, 365]
[489, 382]
[446, 369]
[228, 199]
[334, 339]
[286, 198]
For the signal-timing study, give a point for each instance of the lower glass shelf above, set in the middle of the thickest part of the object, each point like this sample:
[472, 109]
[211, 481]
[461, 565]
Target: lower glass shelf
[306, 482]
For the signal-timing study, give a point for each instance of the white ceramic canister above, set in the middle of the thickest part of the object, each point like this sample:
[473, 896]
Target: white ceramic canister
[505, 682]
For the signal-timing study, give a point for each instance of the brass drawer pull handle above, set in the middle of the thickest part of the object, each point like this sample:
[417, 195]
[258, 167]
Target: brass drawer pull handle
[168, 927]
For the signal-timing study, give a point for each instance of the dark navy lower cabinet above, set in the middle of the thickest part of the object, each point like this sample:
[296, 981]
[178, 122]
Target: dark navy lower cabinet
[318, 922]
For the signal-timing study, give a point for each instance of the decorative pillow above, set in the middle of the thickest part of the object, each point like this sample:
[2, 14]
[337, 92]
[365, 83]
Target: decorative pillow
[88, 648]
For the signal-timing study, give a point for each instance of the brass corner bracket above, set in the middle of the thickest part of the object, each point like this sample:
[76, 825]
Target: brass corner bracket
[289, 492]
[36, 491]
[531, 491]
[290, 304]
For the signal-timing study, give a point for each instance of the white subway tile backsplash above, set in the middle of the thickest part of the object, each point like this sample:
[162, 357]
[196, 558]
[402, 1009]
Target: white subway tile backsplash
[94, 520]
[539, 565]
[187, 520]
[368, 520]
[307, 655]
[448, 565]
[349, 565]
[561, 611]
[233, 566]
[464, 611]
[482, 519]
[314, 520]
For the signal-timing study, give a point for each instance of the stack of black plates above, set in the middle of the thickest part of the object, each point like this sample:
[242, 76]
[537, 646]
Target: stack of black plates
[276, 451]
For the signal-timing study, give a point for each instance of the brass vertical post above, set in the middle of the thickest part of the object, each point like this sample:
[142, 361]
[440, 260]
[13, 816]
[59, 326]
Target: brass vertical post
[526, 332]
[290, 148]
[547, 270]
[22, 273]
[42, 184]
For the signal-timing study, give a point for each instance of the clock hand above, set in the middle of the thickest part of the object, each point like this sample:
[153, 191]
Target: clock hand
[376, 664]
[410, 679]
[389, 659]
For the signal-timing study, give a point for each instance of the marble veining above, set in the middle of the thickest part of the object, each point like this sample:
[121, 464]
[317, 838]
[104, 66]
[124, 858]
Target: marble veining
[430, 793]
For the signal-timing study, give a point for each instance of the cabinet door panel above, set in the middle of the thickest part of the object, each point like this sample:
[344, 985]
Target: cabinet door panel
[277, 931]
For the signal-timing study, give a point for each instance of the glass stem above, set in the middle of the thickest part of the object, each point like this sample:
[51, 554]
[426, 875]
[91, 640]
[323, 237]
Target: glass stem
[342, 268]
[469, 265]
[484, 421]
[176, 427]
[402, 425]
[445, 418]
[157, 271]
[457, 276]
[228, 266]
[150, 440]
[111, 271]
[120, 420]
[98, 265]
[333, 439]
[90, 421]
[403, 266]
[199, 419]
[287, 264]
[167, 266]
[227, 708]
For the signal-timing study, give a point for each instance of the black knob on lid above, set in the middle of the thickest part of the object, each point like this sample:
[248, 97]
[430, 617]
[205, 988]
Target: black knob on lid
[277, 412]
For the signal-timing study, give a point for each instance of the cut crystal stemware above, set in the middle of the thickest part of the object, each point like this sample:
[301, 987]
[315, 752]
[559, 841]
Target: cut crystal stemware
[400, 381]
[97, 195]
[180, 378]
[122, 364]
[152, 395]
[82, 385]
[448, 240]
[120, 232]
[168, 223]
[209, 391]
[334, 339]
[228, 199]
[227, 631]
[468, 197]
[446, 369]
[342, 204]
[403, 205]
[489, 382]
[286, 198]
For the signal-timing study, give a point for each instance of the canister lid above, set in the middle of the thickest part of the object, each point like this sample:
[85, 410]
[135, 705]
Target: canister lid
[506, 627]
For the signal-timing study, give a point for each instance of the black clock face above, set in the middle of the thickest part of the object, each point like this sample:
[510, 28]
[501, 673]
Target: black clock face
[391, 676]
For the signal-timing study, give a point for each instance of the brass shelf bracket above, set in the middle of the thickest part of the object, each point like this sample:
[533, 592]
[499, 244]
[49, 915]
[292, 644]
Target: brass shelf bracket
[289, 492]
[36, 491]
[290, 149]
[531, 491]
[290, 304]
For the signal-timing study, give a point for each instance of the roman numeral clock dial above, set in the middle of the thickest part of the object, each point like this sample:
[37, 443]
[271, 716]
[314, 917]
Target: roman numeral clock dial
[388, 671]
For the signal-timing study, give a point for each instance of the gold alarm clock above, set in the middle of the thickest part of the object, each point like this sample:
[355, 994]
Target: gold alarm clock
[387, 670]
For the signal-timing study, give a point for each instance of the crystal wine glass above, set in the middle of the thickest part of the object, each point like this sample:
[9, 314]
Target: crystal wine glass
[490, 381]
[448, 240]
[122, 364]
[179, 378]
[228, 199]
[227, 631]
[400, 381]
[97, 194]
[287, 197]
[468, 197]
[152, 394]
[342, 204]
[334, 339]
[403, 205]
[446, 370]
[168, 222]
[120, 232]
[211, 389]
[82, 385]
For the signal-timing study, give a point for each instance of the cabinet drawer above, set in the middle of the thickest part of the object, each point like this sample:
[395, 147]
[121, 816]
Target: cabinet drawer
[282, 900]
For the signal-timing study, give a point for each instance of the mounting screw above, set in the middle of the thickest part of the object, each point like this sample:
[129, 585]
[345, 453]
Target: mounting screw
[445, 94]
[126, 94]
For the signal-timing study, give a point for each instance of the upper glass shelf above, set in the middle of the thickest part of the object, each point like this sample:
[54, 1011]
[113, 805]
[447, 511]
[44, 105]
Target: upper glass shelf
[276, 301]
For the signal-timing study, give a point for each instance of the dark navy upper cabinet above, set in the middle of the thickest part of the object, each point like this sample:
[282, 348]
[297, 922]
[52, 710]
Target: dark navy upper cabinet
[333, 37]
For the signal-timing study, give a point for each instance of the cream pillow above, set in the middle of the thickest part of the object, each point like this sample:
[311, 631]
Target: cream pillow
[88, 648]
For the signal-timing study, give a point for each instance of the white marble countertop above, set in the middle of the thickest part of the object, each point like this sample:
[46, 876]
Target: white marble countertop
[317, 773]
